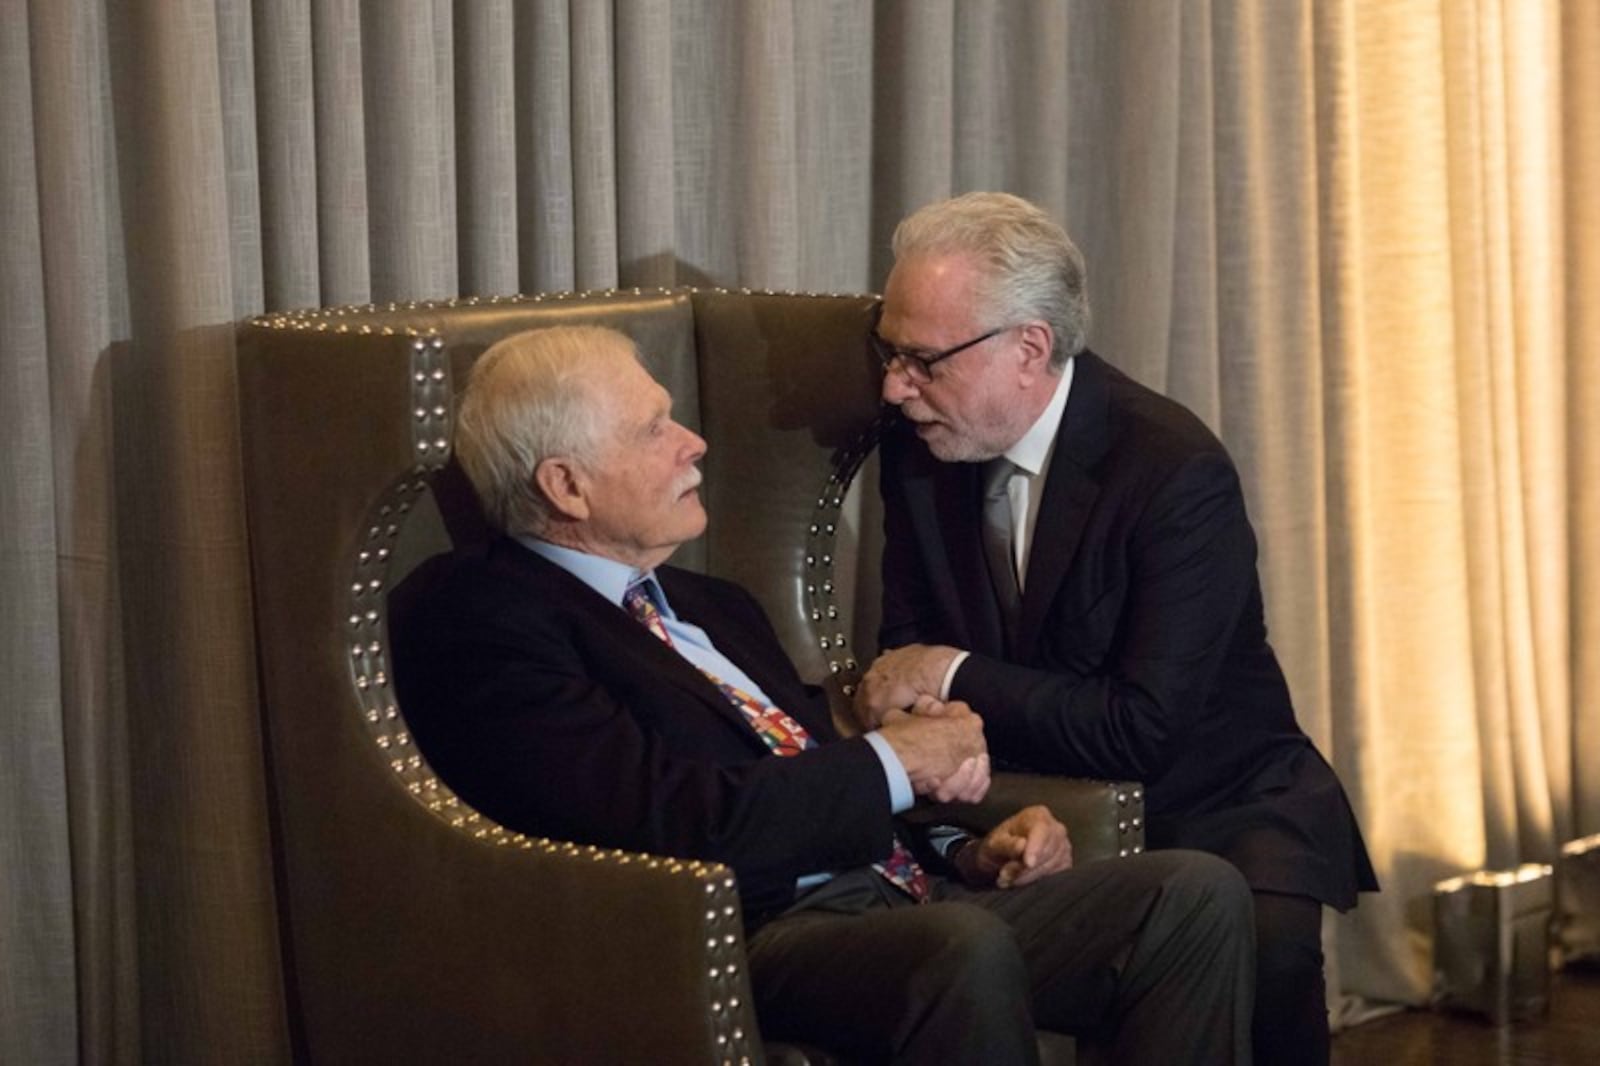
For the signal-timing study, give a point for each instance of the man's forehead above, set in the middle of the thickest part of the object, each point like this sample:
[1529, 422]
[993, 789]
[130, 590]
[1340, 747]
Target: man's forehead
[927, 293]
[638, 395]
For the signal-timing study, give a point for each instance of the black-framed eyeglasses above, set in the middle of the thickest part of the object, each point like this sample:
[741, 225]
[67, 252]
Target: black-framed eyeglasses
[918, 366]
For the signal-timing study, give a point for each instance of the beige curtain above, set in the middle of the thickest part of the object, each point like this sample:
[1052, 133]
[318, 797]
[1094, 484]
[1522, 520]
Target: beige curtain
[1359, 238]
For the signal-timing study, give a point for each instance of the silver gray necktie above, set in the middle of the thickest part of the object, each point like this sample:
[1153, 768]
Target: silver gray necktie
[998, 537]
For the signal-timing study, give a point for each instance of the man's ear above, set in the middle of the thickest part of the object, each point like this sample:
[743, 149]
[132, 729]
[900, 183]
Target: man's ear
[563, 485]
[1038, 341]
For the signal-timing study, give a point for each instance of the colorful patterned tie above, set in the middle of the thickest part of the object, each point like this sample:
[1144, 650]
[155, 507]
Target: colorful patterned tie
[782, 736]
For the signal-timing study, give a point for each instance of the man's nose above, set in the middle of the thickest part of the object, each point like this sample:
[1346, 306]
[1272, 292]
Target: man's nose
[897, 388]
[694, 446]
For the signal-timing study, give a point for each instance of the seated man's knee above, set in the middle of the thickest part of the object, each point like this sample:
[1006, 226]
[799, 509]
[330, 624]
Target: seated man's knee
[1213, 884]
[967, 997]
[977, 952]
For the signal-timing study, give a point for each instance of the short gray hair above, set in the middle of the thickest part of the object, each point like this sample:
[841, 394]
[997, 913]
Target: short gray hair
[531, 396]
[1031, 267]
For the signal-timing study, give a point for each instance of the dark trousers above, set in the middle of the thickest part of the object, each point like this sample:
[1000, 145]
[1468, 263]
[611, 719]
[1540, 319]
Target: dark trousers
[1291, 1016]
[1148, 958]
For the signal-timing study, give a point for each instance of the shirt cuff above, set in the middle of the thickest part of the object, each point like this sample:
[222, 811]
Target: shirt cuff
[950, 675]
[945, 839]
[900, 795]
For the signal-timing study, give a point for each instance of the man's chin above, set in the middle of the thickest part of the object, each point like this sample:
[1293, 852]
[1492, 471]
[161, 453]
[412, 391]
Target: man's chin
[944, 445]
[695, 520]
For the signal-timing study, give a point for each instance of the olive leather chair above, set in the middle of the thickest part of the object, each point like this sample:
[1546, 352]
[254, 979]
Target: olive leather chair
[414, 928]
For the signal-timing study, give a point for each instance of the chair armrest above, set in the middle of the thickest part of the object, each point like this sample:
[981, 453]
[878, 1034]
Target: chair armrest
[640, 957]
[468, 943]
[1104, 819]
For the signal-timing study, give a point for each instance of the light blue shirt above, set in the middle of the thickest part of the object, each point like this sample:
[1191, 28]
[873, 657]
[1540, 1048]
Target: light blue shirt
[612, 579]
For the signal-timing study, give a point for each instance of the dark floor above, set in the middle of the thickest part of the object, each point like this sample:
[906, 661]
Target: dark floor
[1568, 1036]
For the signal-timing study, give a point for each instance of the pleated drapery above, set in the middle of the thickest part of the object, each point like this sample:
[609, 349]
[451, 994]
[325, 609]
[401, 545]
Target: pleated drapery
[1358, 238]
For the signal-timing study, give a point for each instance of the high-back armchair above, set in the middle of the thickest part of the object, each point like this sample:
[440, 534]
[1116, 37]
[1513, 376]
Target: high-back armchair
[414, 928]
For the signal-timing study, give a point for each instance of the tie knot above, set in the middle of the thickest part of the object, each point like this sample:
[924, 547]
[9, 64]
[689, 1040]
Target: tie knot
[640, 598]
[640, 601]
[996, 476]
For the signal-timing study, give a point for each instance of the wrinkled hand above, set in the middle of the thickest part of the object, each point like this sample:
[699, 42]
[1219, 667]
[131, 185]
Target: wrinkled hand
[970, 782]
[944, 753]
[1029, 845]
[895, 680]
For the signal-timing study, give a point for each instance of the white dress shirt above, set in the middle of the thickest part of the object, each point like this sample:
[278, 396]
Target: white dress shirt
[1031, 455]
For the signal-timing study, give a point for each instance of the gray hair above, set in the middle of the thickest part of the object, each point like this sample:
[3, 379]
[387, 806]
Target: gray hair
[531, 396]
[1031, 267]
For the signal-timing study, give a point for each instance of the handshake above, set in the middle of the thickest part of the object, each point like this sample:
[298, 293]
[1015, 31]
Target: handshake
[940, 744]
[942, 748]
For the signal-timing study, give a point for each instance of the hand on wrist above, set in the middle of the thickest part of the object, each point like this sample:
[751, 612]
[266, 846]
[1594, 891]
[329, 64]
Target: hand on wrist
[963, 858]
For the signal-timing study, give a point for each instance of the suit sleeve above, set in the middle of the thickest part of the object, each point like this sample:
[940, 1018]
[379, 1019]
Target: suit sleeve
[1127, 679]
[551, 729]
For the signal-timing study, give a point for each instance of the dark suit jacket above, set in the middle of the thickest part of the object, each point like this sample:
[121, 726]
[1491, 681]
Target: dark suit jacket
[556, 714]
[1142, 652]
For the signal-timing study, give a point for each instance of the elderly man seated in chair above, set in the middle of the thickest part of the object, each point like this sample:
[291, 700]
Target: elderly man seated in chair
[567, 683]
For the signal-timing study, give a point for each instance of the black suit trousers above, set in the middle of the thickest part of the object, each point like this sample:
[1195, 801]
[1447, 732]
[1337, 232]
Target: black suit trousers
[1150, 958]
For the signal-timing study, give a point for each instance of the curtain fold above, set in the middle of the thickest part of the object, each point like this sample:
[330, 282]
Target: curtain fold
[1406, 677]
[1579, 32]
[545, 147]
[339, 101]
[406, 68]
[73, 983]
[203, 901]
[1508, 271]
[285, 151]
[594, 162]
[646, 184]
[486, 163]
[36, 900]
[1359, 240]
[913, 137]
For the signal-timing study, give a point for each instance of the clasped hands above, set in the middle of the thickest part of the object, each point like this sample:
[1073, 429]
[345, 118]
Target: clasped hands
[942, 748]
[940, 744]
[1027, 846]
[898, 678]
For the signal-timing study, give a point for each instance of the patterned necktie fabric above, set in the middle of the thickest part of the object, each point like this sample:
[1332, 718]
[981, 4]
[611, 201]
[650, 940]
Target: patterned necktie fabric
[782, 735]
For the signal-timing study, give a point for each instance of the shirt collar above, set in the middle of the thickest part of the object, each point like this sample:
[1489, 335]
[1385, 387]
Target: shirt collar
[1033, 449]
[610, 578]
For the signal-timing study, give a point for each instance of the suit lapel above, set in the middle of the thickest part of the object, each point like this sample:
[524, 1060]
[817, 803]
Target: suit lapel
[1070, 490]
[748, 645]
[941, 500]
[642, 651]
[692, 603]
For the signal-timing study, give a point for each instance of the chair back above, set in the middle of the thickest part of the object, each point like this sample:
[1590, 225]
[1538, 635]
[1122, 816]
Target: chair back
[346, 418]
